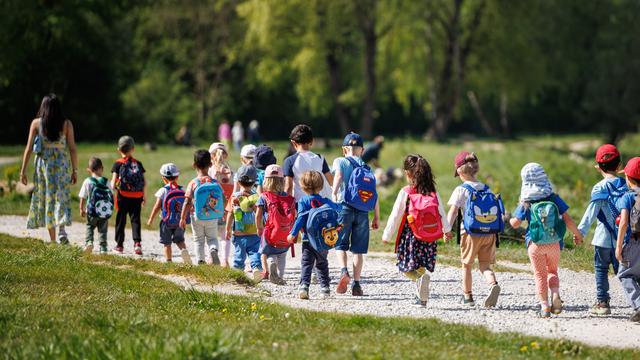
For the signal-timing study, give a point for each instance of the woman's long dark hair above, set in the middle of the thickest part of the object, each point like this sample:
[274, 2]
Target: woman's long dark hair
[51, 117]
[421, 174]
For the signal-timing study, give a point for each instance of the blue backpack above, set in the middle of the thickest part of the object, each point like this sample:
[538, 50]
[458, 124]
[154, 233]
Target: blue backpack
[208, 200]
[100, 201]
[612, 193]
[361, 192]
[484, 212]
[546, 225]
[323, 227]
[172, 206]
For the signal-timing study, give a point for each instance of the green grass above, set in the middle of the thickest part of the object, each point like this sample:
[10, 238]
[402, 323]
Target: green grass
[55, 303]
[500, 164]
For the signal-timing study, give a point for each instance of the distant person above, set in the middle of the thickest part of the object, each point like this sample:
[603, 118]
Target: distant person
[628, 240]
[304, 160]
[183, 137]
[371, 154]
[416, 247]
[224, 133]
[96, 204]
[254, 131]
[603, 199]
[169, 202]
[237, 133]
[354, 188]
[50, 137]
[128, 179]
[544, 241]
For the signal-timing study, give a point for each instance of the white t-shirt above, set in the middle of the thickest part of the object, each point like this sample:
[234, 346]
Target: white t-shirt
[297, 164]
[460, 195]
[87, 186]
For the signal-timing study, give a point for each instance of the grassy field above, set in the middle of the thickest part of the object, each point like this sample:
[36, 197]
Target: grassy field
[56, 303]
[567, 159]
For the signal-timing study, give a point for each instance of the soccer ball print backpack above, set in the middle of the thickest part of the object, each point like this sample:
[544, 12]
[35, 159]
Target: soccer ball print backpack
[100, 202]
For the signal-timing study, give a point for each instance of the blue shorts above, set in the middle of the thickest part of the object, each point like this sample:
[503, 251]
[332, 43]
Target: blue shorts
[354, 236]
[266, 249]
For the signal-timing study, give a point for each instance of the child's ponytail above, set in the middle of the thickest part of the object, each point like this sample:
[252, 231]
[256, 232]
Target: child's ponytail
[421, 174]
[218, 158]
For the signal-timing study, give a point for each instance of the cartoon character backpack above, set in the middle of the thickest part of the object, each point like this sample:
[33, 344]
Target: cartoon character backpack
[546, 225]
[172, 206]
[100, 202]
[484, 212]
[280, 219]
[323, 227]
[423, 215]
[361, 192]
[131, 178]
[208, 199]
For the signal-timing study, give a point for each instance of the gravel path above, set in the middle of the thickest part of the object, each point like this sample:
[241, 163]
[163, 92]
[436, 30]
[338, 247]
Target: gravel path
[388, 293]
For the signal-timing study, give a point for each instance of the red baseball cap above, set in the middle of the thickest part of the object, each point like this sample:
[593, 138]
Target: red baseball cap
[633, 168]
[461, 159]
[606, 153]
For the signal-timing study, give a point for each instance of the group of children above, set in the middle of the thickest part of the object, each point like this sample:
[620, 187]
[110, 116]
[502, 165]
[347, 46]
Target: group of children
[263, 209]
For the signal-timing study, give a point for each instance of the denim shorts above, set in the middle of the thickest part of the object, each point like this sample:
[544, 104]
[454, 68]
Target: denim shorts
[168, 236]
[354, 236]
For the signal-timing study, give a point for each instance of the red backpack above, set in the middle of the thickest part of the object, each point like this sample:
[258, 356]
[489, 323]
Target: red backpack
[280, 218]
[423, 216]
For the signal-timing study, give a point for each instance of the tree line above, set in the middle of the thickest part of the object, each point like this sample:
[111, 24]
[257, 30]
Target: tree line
[437, 67]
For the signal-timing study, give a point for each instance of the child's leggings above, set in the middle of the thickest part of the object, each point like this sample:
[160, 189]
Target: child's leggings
[544, 260]
[415, 274]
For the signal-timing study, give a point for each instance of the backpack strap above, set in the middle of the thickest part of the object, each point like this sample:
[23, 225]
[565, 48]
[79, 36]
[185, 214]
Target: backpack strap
[459, 227]
[353, 162]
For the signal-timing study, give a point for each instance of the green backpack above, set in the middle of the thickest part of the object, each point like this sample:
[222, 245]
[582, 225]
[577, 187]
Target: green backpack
[546, 225]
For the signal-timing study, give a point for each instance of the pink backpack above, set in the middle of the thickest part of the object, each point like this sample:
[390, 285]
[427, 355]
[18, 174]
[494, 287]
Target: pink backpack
[423, 216]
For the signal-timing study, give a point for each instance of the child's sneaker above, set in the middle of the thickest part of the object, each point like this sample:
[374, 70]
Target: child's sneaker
[273, 275]
[202, 262]
[601, 307]
[103, 249]
[303, 293]
[257, 275]
[492, 298]
[264, 276]
[213, 253]
[468, 301]
[556, 305]
[343, 283]
[118, 250]
[137, 248]
[63, 239]
[88, 248]
[419, 302]
[325, 292]
[545, 312]
[356, 289]
[186, 258]
[636, 316]
[422, 288]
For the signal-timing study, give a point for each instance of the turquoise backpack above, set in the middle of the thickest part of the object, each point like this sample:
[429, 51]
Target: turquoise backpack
[546, 225]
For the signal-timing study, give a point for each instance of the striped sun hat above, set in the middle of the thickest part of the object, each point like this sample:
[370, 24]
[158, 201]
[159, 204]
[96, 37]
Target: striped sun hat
[535, 183]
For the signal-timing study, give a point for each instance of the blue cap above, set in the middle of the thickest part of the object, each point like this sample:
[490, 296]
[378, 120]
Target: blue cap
[247, 174]
[353, 139]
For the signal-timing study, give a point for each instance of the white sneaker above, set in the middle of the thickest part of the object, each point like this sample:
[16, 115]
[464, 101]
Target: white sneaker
[186, 258]
[422, 287]
[257, 275]
[492, 298]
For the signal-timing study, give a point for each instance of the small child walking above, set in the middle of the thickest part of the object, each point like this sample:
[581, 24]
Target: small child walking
[128, 179]
[628, 240]
[273, 197]
[418, 206]
[203, 203]
[221, 171]
[547, 218]
[241, 222]
[312, 182]
[96, 204]
[170, 200]
[603, 200]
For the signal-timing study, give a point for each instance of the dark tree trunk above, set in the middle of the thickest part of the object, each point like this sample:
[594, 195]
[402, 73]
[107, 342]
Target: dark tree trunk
[475, 104]
[335, 87]
[366, 15]
[504, 118]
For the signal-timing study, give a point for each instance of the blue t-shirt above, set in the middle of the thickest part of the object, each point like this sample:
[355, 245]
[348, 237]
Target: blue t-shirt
[523, 213]
[627, 202]
[346, 168]
[304, 205]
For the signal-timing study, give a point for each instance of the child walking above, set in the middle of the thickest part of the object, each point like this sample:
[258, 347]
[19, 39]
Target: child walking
[273, 241]
[128, 179]
[96, 204]
[204, 204]
[170, 200]
[247, 155]
[548, 219]
[241, 222]
[354, 188]
[312, 182]
[603, 200]
[628, 240]
[473, 245]
[221, 171]
[418, 206]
